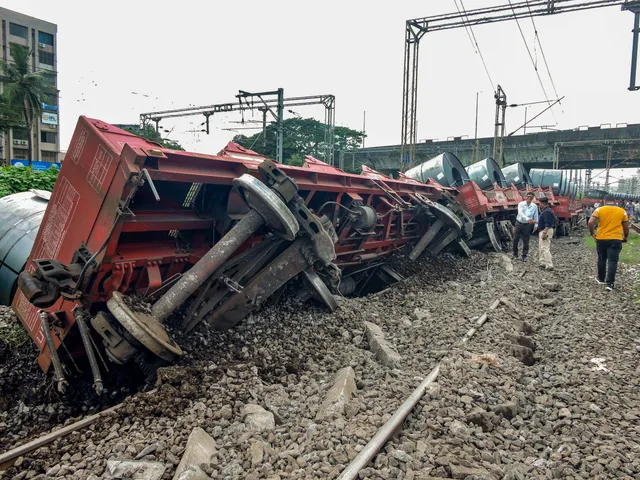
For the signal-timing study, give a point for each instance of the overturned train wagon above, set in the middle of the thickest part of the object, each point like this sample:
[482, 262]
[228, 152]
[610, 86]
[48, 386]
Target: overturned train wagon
[133, 232]
[493, 200]
[481, 194]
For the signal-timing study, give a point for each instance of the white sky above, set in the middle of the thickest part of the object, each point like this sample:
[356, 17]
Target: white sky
[202, 52]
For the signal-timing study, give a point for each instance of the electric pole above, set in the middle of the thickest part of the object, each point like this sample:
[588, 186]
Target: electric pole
[634, 7]
[364, 127]
[280, 127]
[608, 168]
[264, 128]
[500, 123]
[476, 145]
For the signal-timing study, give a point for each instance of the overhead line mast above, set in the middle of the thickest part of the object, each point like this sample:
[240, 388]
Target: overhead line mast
[274, 105]
[416, 29]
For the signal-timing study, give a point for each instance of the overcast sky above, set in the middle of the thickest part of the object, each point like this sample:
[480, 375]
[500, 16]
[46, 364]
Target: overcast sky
[175, 54]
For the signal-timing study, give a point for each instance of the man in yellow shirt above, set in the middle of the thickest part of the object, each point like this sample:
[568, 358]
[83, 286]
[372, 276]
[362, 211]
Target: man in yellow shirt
[613, 230]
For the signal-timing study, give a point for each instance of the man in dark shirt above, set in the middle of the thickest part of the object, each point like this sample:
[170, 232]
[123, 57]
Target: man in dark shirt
[546, 226]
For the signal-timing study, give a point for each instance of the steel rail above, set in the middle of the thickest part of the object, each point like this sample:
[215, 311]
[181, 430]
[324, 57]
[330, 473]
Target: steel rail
[385, 432]
[7, 459]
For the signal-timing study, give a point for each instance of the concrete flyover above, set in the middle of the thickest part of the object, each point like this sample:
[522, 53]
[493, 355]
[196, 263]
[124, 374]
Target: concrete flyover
[583, 147]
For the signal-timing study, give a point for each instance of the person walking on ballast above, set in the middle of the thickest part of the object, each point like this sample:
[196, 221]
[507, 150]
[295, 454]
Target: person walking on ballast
[546, 225]
[613, 231]
[525, 220]
[629, 209]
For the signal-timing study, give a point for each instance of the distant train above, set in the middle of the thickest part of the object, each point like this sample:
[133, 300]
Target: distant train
[594, 196]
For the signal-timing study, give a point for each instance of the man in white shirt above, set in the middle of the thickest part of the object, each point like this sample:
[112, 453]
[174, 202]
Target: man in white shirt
[525, 220]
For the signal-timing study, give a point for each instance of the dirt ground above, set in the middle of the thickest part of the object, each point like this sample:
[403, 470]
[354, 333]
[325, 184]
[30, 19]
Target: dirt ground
[548, 388]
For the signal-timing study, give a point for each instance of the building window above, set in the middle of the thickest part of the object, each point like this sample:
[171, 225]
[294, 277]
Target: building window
[45, 57]
[20, 134]
[48, 137]
[45, 38]
[20, 154]
[49, 156]
[18, 30]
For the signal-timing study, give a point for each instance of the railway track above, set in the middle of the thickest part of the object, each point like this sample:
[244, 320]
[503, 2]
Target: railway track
[485, 398]
[383, 435]
[230, 232]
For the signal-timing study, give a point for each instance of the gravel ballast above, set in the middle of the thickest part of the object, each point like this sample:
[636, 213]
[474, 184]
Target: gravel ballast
[547, 388]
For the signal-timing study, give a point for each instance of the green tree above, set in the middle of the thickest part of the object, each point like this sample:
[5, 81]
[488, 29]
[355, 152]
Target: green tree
[11, 116]
[150, 133]
[302, 136]
[296, 160]
[357, 169]
[24, 89]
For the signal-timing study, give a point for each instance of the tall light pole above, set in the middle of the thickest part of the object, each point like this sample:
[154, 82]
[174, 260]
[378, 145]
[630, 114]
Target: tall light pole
[476, 145]
[364, 127]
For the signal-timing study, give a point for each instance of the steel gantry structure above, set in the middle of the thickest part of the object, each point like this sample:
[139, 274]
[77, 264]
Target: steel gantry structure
[270, 101]
[416, 29]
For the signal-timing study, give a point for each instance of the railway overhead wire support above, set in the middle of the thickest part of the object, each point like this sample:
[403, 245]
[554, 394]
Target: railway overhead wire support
[416, 29]
[634, 7]
[608, 167]
[500, 123]
[270, 101]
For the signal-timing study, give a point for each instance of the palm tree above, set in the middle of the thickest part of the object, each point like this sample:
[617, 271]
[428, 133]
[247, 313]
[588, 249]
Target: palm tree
[10, 116]
[25, 89]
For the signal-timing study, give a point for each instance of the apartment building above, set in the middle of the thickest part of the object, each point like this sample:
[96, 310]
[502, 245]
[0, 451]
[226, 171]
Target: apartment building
[41, 38]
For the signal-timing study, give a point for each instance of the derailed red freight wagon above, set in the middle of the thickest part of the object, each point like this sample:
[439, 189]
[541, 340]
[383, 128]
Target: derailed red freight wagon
[568, 210]
[484, 194]
[494, 211]
[133, 231]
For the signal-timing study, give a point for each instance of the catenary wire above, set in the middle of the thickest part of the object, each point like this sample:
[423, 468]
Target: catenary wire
[526, 44]
[474, 42]
[544, 58]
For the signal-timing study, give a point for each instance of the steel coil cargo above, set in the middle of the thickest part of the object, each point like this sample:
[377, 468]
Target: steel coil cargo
[565, 187]
[446, 169]
[20, 217]
[486, 173]
[545, 178]
[516, 175]
[568, 191]
[595, 194]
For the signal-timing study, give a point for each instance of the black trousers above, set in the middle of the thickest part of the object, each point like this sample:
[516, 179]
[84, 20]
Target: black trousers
[608, 255]
[522, 231]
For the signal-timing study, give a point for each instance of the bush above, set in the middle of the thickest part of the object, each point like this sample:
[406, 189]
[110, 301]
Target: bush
[22, 179]
[296, 160]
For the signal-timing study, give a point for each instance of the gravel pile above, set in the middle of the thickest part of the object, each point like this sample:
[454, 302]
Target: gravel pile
[574, 413]
[29, 404]
[22, 385]
[546, 389]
